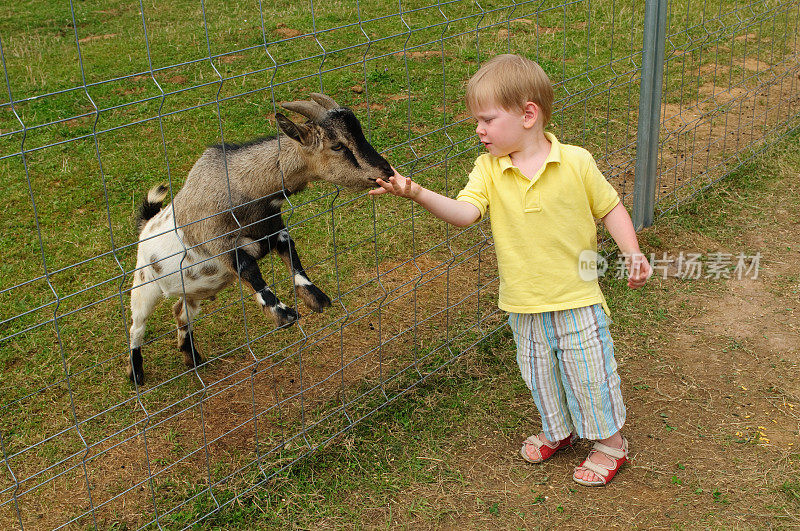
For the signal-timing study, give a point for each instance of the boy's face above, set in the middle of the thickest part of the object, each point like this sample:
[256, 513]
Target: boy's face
[500, 131]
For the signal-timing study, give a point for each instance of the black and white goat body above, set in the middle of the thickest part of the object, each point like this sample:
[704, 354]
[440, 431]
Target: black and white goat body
[227, 216]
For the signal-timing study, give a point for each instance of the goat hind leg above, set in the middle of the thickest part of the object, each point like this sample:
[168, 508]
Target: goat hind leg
[314, 297]
[185, 312]
[144, 299]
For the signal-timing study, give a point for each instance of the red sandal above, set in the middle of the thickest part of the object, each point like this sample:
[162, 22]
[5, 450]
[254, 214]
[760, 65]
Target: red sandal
[604, 473]
[542, 448]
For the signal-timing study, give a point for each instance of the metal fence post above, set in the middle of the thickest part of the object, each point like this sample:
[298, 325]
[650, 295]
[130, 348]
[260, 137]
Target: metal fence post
[655, 31]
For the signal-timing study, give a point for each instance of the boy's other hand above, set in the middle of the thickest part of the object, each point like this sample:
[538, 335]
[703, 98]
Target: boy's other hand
[397, 185]
[639, 270]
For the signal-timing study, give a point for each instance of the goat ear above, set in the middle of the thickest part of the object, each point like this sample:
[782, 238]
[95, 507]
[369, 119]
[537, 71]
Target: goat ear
[298, 133]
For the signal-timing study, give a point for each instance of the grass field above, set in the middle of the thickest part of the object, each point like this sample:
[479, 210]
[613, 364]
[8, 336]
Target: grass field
[104, 101]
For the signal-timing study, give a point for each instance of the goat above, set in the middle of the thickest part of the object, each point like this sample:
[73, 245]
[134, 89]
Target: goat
[227, 216]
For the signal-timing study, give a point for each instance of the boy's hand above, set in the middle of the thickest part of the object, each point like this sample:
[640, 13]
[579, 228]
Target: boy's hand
[639, 270]
[397, 185]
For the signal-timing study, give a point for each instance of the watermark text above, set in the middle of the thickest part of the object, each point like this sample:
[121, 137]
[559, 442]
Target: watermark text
[684, 265]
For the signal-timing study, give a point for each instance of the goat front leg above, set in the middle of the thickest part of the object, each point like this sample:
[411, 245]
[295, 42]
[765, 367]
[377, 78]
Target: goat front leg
[314, 297]
[247, 269]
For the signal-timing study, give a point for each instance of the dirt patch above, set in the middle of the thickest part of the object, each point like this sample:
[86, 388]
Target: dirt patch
[284, 31]
[750, 37]
[753, 64]
[711, 68]
[373, 106]
[91, 38]
[129, 91]
[232, 58]
[419, 55]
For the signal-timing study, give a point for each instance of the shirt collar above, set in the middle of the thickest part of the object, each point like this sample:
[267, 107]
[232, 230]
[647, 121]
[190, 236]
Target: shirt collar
[553, 156]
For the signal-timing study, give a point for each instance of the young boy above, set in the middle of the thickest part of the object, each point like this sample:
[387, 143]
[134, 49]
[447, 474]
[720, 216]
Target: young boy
[544, 197]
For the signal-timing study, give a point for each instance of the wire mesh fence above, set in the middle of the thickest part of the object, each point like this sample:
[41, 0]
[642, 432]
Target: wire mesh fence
[102, 103]
[730, 89]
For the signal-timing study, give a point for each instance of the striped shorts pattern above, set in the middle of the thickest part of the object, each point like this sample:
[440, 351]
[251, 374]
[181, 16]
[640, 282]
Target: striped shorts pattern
[567, 361]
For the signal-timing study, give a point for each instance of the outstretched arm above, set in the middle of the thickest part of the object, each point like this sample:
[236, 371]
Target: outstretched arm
[619, 225]
[458, 213]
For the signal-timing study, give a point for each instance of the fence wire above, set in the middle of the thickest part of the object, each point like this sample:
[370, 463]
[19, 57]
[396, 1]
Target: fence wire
[103, 103]
[730, 90]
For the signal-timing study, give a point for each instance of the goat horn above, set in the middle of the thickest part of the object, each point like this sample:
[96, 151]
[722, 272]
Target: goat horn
[311, 110]
[325, 101]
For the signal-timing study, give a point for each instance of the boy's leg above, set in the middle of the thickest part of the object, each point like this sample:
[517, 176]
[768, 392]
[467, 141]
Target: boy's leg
[589, 371]
[540, 370]
[591, 381]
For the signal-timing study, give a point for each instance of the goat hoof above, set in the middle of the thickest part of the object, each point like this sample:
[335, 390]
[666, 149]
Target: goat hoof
[285, 316]
[191, 356]
[135, 369]
[315, 298]
[192, 359]
[136, 377]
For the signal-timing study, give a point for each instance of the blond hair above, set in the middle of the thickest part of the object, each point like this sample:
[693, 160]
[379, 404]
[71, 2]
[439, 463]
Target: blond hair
[511, 81]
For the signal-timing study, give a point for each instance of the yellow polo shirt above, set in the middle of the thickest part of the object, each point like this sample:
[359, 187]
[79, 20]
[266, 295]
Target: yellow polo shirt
[541, 225]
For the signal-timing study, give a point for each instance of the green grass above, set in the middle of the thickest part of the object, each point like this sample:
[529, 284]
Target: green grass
[88, 155]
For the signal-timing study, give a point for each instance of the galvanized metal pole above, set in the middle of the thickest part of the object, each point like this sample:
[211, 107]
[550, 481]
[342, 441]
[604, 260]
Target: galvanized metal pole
[644, 189]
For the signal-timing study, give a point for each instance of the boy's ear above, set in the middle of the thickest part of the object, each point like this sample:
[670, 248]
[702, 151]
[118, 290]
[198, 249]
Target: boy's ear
[532, 115]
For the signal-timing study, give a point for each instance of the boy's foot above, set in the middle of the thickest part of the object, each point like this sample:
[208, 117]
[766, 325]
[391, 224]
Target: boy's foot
[537, 448]
[601, 465]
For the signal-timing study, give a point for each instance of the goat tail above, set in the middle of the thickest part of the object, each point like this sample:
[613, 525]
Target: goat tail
[151, 205]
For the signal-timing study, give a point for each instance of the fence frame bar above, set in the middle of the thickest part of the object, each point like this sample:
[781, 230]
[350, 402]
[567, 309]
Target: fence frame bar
[650, 91]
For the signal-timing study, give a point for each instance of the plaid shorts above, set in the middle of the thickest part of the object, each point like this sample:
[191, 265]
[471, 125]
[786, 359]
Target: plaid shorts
[567, 361]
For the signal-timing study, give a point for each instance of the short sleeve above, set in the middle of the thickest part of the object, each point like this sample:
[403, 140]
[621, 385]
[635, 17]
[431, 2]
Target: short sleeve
[476, 190]
[602, 196]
